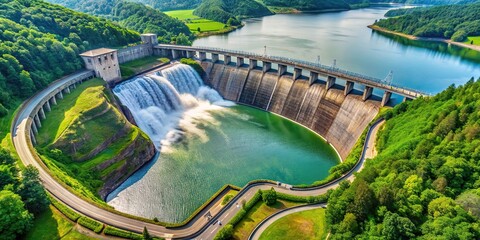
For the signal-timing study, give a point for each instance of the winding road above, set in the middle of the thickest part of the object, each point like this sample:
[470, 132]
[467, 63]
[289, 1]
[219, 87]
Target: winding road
[199, 227]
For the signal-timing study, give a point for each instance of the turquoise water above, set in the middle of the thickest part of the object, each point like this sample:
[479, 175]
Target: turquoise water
[344, 37]
[238, 145]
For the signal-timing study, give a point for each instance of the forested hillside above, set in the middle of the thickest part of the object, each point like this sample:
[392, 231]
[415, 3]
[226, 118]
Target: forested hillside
[40, 42]
[425, 181]
[135, 16]
[454, 22]
[222, 10]
[308, 5]
[166, 5]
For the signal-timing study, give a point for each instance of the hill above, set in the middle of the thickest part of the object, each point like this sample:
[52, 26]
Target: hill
[424, 183]
[40, 42]
[166, 5]
[455, 22]
[223, 10]
[88, 143]
[308, 5]
[135, 16]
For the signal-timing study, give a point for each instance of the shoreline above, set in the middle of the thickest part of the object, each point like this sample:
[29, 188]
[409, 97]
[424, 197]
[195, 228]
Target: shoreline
[411, 37]
[219, 32]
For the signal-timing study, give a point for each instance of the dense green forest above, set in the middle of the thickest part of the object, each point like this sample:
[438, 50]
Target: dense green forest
[166, 5]
[222, 10]
[313, 5]
[455, 22]
[40, 42]
[425, 181]
[22, 197]
[135, 16]
[307, 5]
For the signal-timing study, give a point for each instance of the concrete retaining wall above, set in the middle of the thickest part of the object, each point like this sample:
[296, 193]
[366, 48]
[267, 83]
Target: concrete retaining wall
[135, 52]
[338, 118]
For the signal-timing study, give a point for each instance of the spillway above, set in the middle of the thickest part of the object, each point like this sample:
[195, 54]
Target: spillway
[159, 101]
[205, 145]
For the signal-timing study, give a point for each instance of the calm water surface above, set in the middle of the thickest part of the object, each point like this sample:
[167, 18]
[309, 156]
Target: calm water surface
[429, 67]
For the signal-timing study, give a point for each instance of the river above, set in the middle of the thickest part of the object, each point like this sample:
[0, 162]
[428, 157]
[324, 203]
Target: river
[344, 37]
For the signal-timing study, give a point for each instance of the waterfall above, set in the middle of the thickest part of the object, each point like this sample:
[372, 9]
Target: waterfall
[169, 102]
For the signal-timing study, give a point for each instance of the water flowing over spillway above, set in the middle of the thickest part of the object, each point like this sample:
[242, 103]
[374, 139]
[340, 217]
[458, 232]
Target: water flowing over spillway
[205, 144]
[165, 102]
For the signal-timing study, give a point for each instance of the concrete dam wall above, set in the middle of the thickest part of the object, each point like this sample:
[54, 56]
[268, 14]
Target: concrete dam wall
[338, 118]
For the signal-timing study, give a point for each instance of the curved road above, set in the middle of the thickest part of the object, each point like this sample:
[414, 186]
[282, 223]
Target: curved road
[257, 232]
[199, 227]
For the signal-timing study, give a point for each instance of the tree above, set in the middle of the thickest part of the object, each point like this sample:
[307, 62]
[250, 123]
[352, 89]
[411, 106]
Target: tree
[226, 233]
[146, 235]
[470, 201]
[182, 39]
[32, 192]
[396, 227]
[198, 29]
[349, 224]
[269, 197]
[6, 176]
[364, 200]
[14, 218]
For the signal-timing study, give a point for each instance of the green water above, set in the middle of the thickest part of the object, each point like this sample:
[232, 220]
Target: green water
[243, 144]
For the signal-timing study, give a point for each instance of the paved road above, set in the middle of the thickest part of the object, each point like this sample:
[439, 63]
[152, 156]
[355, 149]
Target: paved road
[199, 227]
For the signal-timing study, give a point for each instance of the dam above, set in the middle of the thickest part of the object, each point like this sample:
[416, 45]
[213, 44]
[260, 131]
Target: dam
[206, 142]
[338, 118]
[275, 96]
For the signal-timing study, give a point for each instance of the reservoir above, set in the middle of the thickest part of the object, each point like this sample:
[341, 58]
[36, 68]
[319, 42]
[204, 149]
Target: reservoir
[344, 37]
[206, 142]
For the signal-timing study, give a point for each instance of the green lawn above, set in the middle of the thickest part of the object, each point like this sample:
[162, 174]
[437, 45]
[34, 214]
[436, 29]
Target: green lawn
[131, 68]
[308, 224]
[476, 40]
[194, 22]
[51, 225]
[66, 112]
[257, 214]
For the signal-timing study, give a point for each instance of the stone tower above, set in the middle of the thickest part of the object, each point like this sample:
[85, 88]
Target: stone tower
[104, 63]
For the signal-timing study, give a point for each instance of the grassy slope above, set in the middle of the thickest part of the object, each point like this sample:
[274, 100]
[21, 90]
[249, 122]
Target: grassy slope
[257, 214]
[51, 224]
[309, 224]
[194, 22]
[63, 123]
[476, 40]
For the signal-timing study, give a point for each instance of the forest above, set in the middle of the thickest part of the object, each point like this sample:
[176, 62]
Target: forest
[425, 181]
[135, 16]
[455, 22]
[40, 42]
[222, 10]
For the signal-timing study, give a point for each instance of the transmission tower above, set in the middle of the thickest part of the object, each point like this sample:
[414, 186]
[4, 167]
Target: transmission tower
[389, 79]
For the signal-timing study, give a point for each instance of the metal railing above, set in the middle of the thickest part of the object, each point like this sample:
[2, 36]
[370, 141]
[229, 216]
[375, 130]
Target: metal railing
[315, 67]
